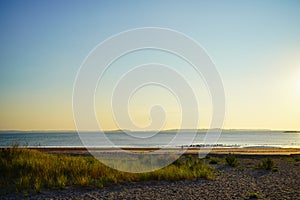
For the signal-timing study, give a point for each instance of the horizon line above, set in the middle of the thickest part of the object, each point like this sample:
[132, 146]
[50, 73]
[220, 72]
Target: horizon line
[164, 130]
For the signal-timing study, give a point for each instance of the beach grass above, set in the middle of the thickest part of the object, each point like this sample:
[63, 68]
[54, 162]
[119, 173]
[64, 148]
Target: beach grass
[25, 170]
[214, 160]
[253, 195]
[231, 160]
[267, 164]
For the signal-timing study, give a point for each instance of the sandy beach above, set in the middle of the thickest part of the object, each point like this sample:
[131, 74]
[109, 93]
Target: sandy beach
[229, 183]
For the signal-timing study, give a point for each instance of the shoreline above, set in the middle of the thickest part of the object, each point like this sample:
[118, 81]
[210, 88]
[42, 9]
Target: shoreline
[219, 151]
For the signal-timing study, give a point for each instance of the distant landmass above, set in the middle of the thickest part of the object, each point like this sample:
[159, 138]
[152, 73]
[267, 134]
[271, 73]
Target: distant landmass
[291, 131]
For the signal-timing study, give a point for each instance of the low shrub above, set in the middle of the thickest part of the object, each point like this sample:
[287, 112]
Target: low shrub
[214, 160]
[231, 160]
[268, 164]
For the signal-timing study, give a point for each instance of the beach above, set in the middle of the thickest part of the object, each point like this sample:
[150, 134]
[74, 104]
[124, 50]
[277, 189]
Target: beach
[238, 151]
[150, 100]
[241, 182]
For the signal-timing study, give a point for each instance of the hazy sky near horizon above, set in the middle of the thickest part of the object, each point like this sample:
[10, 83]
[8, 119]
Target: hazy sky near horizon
[254, 44]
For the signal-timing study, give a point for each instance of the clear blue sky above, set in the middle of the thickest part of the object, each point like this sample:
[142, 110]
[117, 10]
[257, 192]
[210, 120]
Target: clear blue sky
[255, 45]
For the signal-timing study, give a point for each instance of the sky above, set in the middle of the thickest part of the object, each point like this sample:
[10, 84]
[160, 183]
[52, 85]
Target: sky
[255, 46]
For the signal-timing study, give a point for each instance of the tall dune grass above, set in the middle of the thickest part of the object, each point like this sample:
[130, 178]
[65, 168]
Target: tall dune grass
[31, 170]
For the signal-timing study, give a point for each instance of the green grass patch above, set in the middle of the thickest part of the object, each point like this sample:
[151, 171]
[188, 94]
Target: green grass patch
[24, 170]
[253, 195]
[231, 160]
[267, 164]
[214, 160]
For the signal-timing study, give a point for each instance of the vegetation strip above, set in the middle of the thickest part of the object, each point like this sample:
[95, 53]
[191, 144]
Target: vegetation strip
[26, 170]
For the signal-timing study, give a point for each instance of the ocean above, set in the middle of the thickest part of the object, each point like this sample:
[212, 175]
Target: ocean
[228, 139]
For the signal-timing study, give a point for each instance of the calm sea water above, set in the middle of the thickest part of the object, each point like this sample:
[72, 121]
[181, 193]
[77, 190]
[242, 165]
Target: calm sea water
[150, 139]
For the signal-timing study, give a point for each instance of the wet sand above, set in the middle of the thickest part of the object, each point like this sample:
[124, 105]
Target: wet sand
[237, 151]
